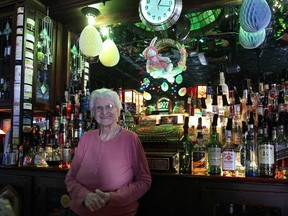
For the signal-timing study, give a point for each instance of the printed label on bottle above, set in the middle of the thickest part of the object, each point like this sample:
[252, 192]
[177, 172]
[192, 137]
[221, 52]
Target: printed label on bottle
[199, 160]
[229, 160]
[266, 154]
[214, 156]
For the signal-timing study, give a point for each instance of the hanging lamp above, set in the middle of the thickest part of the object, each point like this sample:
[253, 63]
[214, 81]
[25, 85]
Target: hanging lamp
[90, 41]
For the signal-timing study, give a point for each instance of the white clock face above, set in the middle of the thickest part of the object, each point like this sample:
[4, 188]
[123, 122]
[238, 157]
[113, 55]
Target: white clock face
[157, 11]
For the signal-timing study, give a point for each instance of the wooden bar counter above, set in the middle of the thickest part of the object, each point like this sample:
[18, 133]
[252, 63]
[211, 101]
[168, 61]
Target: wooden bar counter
[42, 191]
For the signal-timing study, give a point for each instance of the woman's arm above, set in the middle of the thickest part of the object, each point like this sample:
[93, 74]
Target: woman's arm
[142, 177]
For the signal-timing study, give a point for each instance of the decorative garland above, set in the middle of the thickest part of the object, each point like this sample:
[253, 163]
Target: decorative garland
[162, 67]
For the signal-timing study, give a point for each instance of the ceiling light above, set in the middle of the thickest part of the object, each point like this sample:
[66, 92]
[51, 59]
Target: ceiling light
[91, 13]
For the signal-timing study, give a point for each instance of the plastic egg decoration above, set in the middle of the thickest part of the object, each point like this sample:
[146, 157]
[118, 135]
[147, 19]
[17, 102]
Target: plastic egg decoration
[251, 40]
[255, 15]
[147, 95]
[90, 41]
[182, 91]
[146, 82]
[109, 56]
[164, 86]
[179, 79]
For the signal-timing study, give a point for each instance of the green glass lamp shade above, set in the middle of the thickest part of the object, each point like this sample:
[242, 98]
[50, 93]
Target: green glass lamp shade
[251, 40]
[255, 15]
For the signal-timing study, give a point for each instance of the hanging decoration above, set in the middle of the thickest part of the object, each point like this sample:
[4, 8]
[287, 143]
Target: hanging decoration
[182, 91]
[7, 31]
[179, 79]
[251, 40]
[90, 41]
[164, 86]
[146, 82]
[147, 95]
[46, 39]
[162, 67]
[109, 56]
[255, 15]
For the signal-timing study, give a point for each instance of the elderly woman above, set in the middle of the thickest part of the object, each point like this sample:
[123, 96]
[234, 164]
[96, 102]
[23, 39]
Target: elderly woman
[109, 172]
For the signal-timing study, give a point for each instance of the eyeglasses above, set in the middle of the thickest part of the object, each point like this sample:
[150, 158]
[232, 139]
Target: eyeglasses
[108, 108]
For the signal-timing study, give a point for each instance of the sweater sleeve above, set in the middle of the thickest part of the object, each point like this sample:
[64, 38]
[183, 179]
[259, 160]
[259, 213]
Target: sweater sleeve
[76, 190]
[142, 177]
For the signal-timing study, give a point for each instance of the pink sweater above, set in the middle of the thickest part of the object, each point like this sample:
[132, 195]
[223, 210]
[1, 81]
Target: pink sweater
[118, 166]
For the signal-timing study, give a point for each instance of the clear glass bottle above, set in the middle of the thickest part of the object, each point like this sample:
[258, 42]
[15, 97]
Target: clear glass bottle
[214, 150]
[228, 153]
[185, 150]
[199, 152]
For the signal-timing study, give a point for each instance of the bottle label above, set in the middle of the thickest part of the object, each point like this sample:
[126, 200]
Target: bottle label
[266, 154]
[214, 156]
[199, 160]
[229, 160]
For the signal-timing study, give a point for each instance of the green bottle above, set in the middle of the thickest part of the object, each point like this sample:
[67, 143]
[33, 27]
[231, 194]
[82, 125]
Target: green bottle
[185, 150]
[214, 150]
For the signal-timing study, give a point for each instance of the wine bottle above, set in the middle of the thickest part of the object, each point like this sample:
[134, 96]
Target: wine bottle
[185, 147]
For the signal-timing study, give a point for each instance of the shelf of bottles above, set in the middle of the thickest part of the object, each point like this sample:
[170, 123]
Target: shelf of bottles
[5, 60]
[53, 140]
[238, 134]
[23, 77]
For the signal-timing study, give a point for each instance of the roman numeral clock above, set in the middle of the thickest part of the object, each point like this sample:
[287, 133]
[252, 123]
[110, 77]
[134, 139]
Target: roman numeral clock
[160, 14]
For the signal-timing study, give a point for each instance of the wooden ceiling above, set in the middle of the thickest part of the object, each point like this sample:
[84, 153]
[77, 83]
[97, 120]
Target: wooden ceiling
[115, 12]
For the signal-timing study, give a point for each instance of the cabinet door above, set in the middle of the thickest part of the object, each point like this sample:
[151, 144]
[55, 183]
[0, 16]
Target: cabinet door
[269, 201]
[23, 186]
[7, 30]
[52, 196]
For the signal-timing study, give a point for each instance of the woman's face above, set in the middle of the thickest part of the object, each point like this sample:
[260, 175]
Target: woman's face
[105, 112]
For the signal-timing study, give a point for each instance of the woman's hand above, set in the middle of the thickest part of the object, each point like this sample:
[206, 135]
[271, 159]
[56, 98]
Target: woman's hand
[94, 202]
[103, 195]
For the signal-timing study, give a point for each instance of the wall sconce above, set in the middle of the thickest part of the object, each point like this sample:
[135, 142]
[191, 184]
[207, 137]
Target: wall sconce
[90, 41]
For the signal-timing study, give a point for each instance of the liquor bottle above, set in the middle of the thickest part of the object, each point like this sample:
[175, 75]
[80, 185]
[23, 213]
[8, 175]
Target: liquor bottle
[286, 96]
[208, 100]
[66, 151]
[224, 86]
[237, 106]
[203, 107]
[232, 99]
[228, 153]
[279, 143]
[215, 109]
[236, 131]
[251, 150]
[241, 154]
[273, 97]
[226, 107]
[220, 100]
[214, 150]
[266, 152]
[199, 152]
[185, 148]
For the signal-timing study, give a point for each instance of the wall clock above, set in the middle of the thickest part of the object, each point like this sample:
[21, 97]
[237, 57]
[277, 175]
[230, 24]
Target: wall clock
[159, 14]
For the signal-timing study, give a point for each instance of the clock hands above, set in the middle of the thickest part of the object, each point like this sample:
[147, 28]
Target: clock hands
[159, 4]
